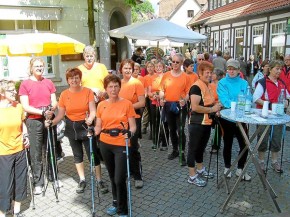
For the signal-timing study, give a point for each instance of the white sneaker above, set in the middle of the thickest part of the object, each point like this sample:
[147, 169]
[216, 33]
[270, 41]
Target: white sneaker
[37, 190]
[229, 175]
[60, 184]
[246, 176]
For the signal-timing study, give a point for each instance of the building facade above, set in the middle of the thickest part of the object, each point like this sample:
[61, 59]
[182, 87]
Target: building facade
[245, 27]
[67, 17]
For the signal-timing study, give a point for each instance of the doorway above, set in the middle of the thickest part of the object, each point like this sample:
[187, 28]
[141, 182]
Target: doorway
[118, 47]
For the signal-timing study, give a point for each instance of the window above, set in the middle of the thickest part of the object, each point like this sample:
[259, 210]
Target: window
[216, 40]
[211, 5]
[41, 25]
[9, 66]
[224, 2]
[277, 39]
[239, 42]
[7, 25]
[190, 13]
[225, 40]
[257, 41]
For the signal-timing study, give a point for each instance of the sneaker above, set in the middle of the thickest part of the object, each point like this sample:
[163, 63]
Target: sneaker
[37, 190]
[81, 187]
[112, 210]
[18, 215]
[262, 166]
[154, 147]
[103, 187]
[174, 154]
[163, 148]
[197, 181]
[59, 184]
[183, 161]
[277, 167]
[139, 183]
[205, 174]
[229, 175]
[246, 176]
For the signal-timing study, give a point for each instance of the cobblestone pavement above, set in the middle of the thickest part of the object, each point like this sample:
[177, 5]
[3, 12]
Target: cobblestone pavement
[166, 191]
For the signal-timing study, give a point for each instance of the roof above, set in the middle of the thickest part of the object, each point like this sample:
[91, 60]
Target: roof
[167, 7]
[238, 9]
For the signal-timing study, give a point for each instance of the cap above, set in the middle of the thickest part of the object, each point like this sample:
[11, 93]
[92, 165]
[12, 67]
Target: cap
[234, 63]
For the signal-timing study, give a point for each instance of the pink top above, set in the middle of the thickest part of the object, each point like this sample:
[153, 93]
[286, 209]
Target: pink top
[38, 92]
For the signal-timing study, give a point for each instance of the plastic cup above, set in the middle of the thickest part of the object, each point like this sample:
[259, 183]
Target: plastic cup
[233, 106]
[274, 108]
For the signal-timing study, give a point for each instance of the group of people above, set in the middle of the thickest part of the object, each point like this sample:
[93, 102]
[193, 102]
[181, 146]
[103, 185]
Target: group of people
[119, 108]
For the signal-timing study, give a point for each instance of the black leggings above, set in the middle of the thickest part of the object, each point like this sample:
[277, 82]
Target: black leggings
[174, 125]
[198, 138]
[231, 129]
[115, 161]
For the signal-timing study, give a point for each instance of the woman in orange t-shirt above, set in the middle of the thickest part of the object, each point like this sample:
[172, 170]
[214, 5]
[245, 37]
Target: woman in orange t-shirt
[133, 90]
[13, 140]
[153, 93]
[77, 104]
[175, 85]
[113, 114]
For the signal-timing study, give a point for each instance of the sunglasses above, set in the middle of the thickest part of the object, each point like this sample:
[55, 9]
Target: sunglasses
[175, 62]
[200, 59]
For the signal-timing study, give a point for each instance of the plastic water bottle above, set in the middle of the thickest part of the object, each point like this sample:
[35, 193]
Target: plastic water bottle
[281, 100]
[241, 104]
[248, 104]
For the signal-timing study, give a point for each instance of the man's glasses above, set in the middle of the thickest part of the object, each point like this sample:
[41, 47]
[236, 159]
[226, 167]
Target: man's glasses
[175, 62]
[200, 59]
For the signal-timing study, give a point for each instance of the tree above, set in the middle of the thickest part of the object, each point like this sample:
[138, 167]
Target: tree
[142, 12]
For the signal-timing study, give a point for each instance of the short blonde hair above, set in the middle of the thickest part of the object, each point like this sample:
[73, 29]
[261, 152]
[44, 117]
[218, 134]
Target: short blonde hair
[6, 85]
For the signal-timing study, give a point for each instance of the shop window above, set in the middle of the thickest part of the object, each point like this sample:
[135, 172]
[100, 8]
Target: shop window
[216, 41]
[239, 42]
[277, 39]
[225, 40]
[257, 42]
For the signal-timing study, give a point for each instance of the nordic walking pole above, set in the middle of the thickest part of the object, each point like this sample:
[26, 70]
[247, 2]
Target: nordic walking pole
[180, 134]
[210, 157]
[163, 127]
[30, 176]
[217, 154]
[55, 186]
[270, 145]
[92, 161]
[282, 149]
[128, 170]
